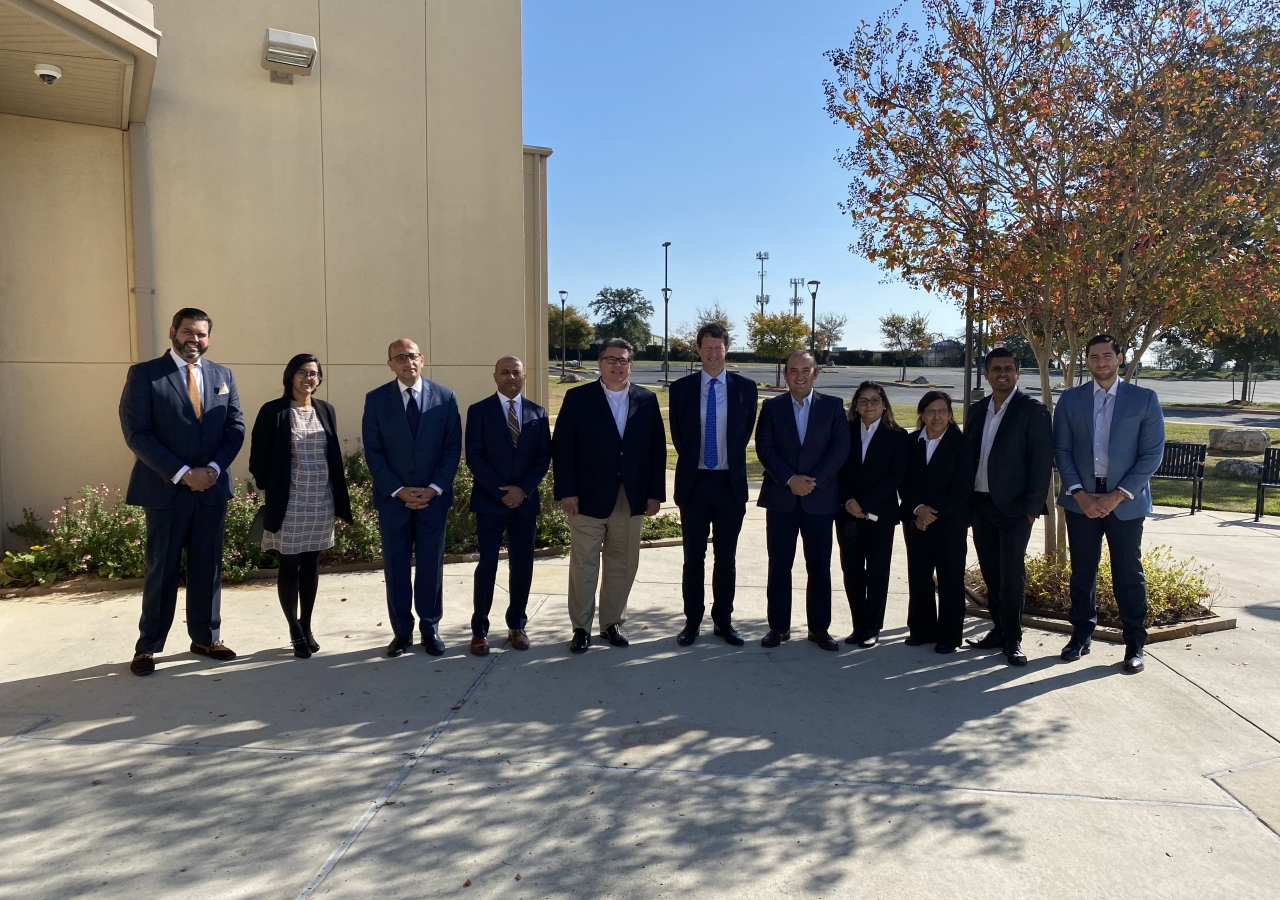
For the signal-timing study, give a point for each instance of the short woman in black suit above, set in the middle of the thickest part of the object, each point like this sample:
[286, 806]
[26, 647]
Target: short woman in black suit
[935, 516]
[296, 460]
[868, 513]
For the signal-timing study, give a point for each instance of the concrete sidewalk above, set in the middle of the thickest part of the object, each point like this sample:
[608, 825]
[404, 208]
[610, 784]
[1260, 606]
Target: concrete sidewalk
[890, 772]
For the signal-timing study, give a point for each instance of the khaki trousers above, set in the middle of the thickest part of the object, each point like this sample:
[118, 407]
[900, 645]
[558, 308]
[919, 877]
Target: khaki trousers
[619, 538]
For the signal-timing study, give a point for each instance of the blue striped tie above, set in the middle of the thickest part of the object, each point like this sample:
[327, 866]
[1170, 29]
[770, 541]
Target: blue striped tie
[710, 453]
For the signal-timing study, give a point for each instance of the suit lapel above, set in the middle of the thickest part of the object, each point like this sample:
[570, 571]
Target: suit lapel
[396, 406]
[178, 379]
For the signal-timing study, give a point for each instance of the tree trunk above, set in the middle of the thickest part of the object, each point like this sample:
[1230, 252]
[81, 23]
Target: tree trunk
[1043, 353]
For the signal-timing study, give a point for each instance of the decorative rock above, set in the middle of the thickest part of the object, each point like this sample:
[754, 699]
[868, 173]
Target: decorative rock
[919, 379]
[569, 378]
[1238, 468]
[1239, 440]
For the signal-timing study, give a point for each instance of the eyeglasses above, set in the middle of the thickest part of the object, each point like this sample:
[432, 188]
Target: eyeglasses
[868, 401]
[306, 376]
[403, 358]
[935, 413]
[615, 360]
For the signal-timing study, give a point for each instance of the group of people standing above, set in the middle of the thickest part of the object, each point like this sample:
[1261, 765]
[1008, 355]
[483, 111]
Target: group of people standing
[854, 473]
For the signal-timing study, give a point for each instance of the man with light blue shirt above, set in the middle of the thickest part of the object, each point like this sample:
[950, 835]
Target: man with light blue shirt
[712, 416]
[1108, 440]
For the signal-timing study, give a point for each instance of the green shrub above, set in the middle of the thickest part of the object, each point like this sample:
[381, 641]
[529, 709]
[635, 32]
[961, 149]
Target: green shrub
[38, 565]
[240, 557]
[99, 532]
[663, 525]
[1176, 590]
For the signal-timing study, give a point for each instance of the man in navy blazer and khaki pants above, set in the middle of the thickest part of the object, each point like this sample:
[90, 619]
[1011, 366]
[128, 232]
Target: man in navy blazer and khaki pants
[181, 417]
[712, 416]
[802, 441]
[508, 452]
[413, 442]
[1108, 439]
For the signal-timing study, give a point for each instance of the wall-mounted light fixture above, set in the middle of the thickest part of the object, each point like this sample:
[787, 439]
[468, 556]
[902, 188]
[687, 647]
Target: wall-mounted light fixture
[285, 53]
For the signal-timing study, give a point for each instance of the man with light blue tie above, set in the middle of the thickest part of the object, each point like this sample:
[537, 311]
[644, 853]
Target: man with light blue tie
[713, 414]
[1108, 440]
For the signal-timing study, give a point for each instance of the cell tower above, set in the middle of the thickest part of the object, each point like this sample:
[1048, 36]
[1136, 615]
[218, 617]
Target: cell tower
[762, 298]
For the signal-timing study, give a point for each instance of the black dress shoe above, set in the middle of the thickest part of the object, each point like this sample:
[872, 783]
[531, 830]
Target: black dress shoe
[1134, 661]
[870, 639]
[581, 641]
[945, 648]
[1076, 648]
[1013, 653]
[730, 635]
[992, 640]
[142, 664]
[300, 649]
[854, 638]
[775, 638]
[914, 641]
[615, 636]
[311, 642]
[687, 635]
[823, 640]
[398, 646]
[432, 644]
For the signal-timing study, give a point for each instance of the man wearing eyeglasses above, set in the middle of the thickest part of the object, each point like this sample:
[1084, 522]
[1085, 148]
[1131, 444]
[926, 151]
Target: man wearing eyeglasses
[610, 457]
[412, 441]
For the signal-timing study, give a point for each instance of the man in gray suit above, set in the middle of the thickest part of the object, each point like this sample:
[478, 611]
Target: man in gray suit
[181, 417]
[1108, 440]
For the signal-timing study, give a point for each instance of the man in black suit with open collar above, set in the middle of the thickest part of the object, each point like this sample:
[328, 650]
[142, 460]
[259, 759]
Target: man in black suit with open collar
[1011, 438]
[610, 455]
[712, 416]
[181, 417]
[802, 441]
[508, 445]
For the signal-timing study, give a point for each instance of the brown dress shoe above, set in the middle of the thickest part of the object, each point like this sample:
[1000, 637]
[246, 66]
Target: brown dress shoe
[217, 650]
[519, 640]
[480, 646]
[142, 664]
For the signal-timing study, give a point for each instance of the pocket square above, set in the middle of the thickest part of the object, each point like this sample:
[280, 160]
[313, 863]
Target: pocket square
[223, 389]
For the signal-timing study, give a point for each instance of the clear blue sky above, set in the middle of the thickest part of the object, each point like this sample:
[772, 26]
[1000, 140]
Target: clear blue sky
[701, 123]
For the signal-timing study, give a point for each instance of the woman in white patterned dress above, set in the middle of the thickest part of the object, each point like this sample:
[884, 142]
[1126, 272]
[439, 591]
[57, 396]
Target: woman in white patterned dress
[296, 459]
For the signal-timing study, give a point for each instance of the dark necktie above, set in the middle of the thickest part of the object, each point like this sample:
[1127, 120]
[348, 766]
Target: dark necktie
[513, 424]
[413, 411]
[710, 452]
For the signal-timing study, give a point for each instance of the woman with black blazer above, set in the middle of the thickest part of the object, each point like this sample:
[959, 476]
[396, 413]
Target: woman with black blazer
[868, 514]
[296, 460]
[935, 516]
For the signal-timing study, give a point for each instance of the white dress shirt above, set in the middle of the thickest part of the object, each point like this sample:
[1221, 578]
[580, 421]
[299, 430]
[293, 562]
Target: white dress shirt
[618, 406]
[1104, 410]
[506, 404]
[722, 421]
[868, 432]
[199, 373]
[989, 428]
[801, 409]
[930, 444]
[418, 391]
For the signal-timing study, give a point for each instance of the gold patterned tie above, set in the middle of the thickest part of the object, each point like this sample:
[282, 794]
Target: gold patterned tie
[513, 424]
[193, 391]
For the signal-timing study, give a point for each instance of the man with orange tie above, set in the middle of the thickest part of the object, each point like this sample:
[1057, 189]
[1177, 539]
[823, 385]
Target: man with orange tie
[181, 417]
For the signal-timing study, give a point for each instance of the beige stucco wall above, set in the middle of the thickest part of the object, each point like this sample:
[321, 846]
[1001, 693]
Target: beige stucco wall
[383, 196]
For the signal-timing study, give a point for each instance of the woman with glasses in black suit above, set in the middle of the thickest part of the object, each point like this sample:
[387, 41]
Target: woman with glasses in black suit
[868, 514]
[935, 516]
[296, 460]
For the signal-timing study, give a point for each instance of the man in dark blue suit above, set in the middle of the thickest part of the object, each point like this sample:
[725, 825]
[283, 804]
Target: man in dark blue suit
[610, 453]
[712, 416]
[413, 442]
[181, 418]
[1108, 440]
[802, 441]
[508, 452]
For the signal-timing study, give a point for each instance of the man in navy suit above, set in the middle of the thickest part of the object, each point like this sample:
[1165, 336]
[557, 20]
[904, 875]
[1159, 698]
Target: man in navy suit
[1108, 439]
[802, 441]
[508, 452]
[413, 442]
[181, 417]
[712, 416]
[610, 453]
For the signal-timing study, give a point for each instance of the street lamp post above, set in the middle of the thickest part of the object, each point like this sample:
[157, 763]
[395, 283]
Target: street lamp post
[564, 295]
[666, 317]
[813, 316]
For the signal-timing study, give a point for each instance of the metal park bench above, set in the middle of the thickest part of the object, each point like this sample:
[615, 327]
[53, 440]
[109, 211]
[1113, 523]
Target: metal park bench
[1185, 462]
[1268, 477]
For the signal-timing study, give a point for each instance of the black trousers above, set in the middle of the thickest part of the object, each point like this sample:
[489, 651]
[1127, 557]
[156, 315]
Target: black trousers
[196, 529]
[1124, 540]
[941, 549]
[781, 530]
[520, 532]
[711, 511]
[1001, 542]
[866, 553]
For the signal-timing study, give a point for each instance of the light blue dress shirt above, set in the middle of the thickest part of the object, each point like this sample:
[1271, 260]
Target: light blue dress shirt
[801, 410]
[722, 421]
